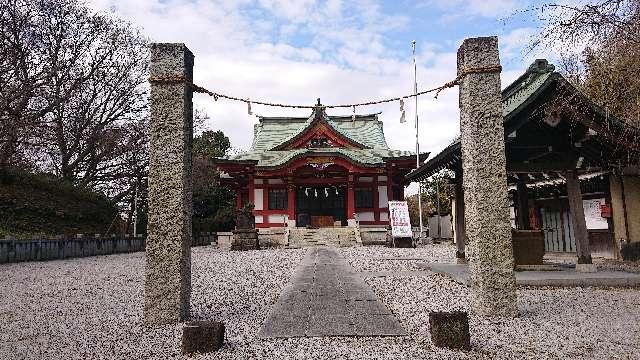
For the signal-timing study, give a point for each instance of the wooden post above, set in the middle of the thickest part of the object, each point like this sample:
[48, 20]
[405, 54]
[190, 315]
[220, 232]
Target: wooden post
[351, 203]
[487, 219]
[523, 206]
[291, 201]
[167, 286]
[461, 234]
[577, 214]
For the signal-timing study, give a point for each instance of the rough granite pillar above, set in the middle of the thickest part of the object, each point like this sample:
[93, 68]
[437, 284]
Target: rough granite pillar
[167, 288]
[488, 228]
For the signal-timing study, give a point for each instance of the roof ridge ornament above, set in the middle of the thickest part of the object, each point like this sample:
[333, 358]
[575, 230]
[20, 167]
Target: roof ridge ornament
[318, 111]
[541, 66]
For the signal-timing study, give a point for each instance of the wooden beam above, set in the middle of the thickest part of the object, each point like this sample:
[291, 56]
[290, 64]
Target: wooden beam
[519, 167]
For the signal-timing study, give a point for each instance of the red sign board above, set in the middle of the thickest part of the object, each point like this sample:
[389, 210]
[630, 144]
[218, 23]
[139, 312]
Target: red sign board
[605, 210]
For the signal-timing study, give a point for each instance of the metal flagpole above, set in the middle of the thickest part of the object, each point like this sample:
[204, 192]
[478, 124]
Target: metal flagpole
[415, 91]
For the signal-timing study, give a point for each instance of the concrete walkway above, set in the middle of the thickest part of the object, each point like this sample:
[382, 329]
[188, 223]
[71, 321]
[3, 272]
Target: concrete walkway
[562, 278]
[327, 298]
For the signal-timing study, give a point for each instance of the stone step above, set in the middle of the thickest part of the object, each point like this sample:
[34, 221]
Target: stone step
[301, 237]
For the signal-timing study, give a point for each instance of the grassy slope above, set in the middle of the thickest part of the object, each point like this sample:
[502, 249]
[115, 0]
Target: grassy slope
[39, 203]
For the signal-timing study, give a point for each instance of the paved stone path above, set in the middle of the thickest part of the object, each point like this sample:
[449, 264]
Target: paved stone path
[326, 297]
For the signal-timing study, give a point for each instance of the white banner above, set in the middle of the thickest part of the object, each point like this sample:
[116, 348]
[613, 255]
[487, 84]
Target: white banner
[399, 219]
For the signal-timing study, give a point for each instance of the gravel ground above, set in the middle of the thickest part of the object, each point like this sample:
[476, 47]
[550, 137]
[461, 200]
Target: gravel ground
[376, 258]
[91, 308]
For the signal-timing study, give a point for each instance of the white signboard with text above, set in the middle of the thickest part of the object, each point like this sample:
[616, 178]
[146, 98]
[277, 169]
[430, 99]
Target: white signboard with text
[399, 219]
[593, 214]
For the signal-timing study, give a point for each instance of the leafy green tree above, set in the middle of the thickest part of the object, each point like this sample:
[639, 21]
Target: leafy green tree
[211, 144]
[436, 188]
[213, 204]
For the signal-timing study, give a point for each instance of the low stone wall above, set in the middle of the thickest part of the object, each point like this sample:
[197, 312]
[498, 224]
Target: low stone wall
[245, 239]
[272, 237]
[373, 236]
[224, 240]
[12, 250]
[62, 248]
[204, 239]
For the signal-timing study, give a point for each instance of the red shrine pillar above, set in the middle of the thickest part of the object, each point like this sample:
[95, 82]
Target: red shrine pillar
[390, 185]
[238, 198]
[291, 200]
[351, 203]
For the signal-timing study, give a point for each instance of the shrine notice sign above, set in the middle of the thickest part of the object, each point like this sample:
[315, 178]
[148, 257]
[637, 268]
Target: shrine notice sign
[399, 219]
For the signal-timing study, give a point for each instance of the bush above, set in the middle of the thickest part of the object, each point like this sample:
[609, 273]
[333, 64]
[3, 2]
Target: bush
[37, 203]
[631, 251]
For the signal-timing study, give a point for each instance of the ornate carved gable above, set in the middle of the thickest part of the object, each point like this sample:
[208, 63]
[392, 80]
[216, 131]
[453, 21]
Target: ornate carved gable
[319, 134]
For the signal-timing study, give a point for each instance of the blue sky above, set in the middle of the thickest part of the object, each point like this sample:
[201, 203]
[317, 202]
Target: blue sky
[295, 51]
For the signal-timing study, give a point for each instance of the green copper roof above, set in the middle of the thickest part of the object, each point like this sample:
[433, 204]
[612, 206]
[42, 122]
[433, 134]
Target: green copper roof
[365, 130]
[364, 157]
[515, 98]
[270, 132]
[517, 93]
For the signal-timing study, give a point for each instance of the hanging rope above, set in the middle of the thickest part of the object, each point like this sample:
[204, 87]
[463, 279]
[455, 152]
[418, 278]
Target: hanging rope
[437, 90]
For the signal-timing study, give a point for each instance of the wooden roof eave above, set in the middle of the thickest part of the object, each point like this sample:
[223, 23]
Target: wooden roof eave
[446, 159]
[423, 157]
[223, 161]
[318, 154]
[511, 121]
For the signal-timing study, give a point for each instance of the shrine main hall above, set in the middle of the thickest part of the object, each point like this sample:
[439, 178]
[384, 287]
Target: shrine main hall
[318, 171]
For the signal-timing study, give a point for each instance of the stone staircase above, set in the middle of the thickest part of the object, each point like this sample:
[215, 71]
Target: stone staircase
[333, 236]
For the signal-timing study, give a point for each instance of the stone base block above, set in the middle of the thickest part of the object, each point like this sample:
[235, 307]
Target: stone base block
[245, 239]
[406, 242]
[586, 268]
[202, 337]
[528, 247]
[450, 330]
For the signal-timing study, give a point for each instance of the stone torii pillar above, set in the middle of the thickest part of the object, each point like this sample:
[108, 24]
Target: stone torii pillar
[167, 287]
[488, 228]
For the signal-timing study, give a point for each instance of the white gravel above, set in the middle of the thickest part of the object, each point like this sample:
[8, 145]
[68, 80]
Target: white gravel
[377, 258]
[91, 308]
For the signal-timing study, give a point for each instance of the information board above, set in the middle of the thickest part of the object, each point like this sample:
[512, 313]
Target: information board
[593, 214]
[399, 219]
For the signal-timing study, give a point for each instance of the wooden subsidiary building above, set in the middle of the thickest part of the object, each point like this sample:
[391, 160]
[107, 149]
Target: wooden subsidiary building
[564, 155]
[318, 171]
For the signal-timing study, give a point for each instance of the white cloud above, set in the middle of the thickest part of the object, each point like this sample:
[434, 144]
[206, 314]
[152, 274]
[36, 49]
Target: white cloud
[457, 9]
[344, 59]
